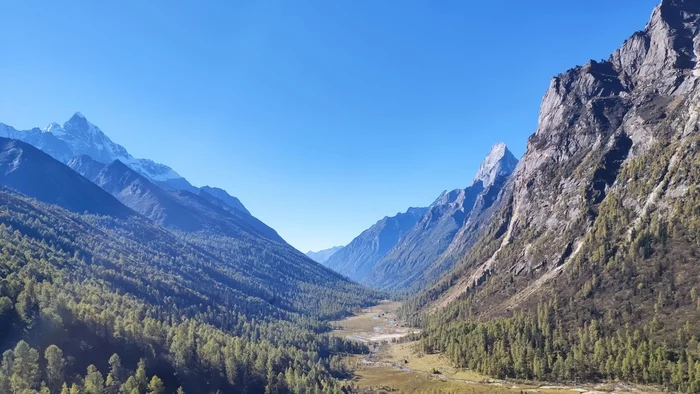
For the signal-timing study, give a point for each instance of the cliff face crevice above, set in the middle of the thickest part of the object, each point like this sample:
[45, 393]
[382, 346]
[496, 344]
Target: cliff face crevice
[606, 173]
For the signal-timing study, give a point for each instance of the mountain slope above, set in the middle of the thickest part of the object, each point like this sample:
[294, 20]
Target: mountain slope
[358, 258]
[33, 172]
[221, 194]
[420, 256]
[322, 255]
[597, 228]
[178, 210]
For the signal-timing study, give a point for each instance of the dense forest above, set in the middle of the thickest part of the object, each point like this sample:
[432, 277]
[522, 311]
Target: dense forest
[91, 303]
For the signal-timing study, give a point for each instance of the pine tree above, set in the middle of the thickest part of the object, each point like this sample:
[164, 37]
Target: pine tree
[140, 377]
[25, 368]
[55, 365]
[115, 376]
[156, 386]
[94, 382]
[129, 386]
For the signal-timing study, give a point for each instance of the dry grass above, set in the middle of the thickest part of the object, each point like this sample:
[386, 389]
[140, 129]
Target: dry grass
[405, 354]
[386, 379]
[362, 326]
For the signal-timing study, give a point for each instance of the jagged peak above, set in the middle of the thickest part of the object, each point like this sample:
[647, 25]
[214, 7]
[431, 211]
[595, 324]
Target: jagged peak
[53, 126]
[499, 161]
[668, 43]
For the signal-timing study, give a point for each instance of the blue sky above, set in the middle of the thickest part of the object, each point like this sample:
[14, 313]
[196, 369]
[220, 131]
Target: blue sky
[321, 116]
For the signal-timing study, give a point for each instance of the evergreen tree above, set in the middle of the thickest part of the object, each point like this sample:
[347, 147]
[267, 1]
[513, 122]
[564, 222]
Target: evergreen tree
[55, 365]
[156, 386]
[25, 368]
[94, 382]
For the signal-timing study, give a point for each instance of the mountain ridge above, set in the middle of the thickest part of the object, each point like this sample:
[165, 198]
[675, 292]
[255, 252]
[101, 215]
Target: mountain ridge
[356, 259]
[33, 172]
[179, 210]
[430, 247]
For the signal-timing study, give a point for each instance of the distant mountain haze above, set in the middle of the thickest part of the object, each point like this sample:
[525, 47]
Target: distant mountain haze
[322, 255]
[449, 227]
[407, 250]
[357, 258]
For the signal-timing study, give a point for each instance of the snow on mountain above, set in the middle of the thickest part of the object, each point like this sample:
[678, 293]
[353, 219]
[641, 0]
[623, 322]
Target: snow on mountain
[78, 137]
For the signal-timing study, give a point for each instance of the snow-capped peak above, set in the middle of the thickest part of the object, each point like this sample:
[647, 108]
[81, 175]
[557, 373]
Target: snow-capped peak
[499, 161]
[80, 137]
[78, 123]
[51, 126]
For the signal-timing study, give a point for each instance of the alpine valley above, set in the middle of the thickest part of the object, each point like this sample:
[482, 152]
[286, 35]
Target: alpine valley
[116, 264]
[571, 269]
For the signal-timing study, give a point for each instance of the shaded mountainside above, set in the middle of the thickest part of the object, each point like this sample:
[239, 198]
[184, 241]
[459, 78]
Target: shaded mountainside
[598, 227]
[178, 210]
[449, 226]
[34, 173]
[357, 259]
[221, 194]
[322, 255]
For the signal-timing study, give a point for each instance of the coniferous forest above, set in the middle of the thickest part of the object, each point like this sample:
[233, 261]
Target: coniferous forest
[93, 303]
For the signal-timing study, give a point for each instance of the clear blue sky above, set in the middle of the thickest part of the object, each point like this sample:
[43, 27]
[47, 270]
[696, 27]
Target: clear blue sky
[321, 116]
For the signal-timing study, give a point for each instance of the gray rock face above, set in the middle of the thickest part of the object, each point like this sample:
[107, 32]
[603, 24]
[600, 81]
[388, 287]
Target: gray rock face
[357, 258]
[86, 166]
[594, 120]
[498, 162]
[323, 255]
[597, 108]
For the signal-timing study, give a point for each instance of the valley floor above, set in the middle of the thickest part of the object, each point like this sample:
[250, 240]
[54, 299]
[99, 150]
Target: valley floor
[399, 367]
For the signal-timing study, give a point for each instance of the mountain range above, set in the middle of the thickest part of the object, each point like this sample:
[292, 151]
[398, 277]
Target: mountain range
[358, 258]
[78, 137]
[404, 252]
